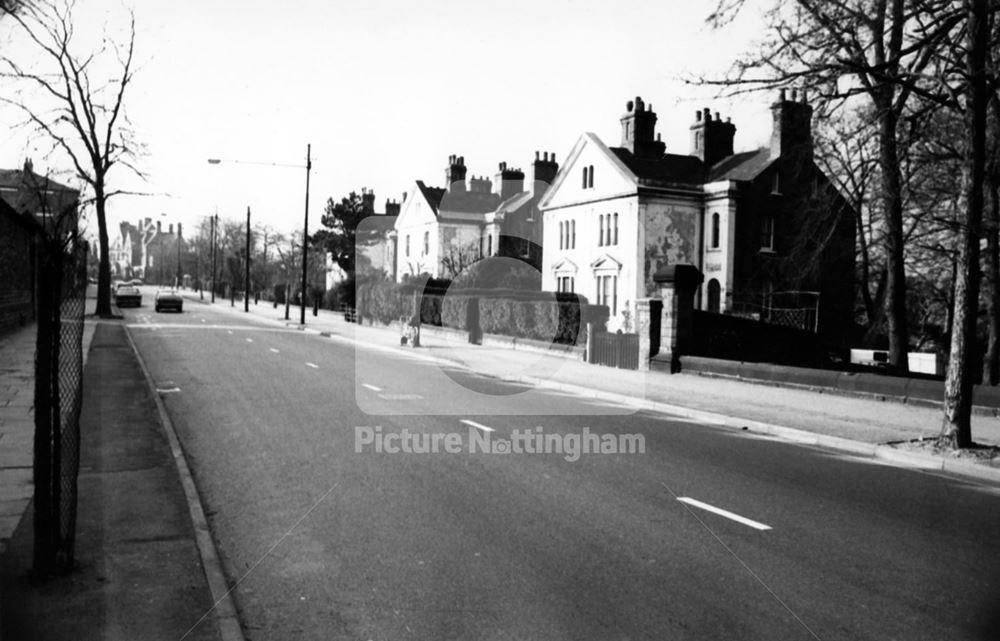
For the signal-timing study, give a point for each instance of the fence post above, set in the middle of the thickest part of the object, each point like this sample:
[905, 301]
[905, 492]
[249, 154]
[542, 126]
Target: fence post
[589, 355]
[678, 284]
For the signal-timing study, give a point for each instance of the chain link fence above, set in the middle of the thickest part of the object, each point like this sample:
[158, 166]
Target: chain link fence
[62, 287]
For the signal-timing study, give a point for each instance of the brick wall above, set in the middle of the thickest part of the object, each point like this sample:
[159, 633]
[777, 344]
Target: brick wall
[17, 269]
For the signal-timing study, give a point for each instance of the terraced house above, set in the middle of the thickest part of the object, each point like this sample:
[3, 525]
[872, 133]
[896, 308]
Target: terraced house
[772, 237]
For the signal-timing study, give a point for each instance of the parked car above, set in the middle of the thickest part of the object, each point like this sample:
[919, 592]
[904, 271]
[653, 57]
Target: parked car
[168, 299]
[137, 281]
[126, 295]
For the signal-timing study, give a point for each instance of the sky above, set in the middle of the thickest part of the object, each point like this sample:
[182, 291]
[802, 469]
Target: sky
[384, 91]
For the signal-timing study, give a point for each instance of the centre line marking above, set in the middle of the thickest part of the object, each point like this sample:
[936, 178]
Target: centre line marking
[729, 515]
[276, 351]
[313, 365]
[478, 426]
[371, 387]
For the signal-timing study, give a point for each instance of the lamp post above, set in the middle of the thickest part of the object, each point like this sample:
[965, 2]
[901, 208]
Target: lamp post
[178, 283]
[305, 227]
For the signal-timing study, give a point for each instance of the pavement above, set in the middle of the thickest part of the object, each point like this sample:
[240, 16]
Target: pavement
[143, 566]
[138, 572]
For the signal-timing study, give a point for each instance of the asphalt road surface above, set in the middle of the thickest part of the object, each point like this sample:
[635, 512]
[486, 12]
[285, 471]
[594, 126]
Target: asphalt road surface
[710, 533]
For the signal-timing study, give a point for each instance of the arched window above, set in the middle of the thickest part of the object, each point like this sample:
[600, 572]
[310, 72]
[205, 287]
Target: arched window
[572, 243]
[590, 177]
[615, 242]
[715, 231]
[600, 230]
[562, 235]
[714, 294]
[489, 245]
[585, 177]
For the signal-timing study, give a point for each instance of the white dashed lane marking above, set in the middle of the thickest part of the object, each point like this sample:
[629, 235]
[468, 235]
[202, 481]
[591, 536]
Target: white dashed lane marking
[371, 387]
[313, 365]
[249, 340]
[478, 426]
[276, 351]
[725, 513]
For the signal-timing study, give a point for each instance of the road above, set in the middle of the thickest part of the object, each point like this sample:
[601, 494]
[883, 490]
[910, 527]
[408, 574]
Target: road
[323, 541]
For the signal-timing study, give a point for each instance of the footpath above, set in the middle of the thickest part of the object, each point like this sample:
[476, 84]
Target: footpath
[859, 425]
[138, 573]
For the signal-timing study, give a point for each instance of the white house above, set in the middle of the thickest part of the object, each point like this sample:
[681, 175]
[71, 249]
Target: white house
[442, 231]
[614, 215]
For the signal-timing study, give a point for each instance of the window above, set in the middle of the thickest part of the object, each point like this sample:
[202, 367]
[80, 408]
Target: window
[615, 241]
[407, 244]
[565, 284]
[767, 232]
[715, 231]
[600, 230]
[607, 292]
[584, 185]
[572, 235]
[714, 296]
[562, 235]
[489, 245]
[427, 242]
[776, 184]
[590, 176]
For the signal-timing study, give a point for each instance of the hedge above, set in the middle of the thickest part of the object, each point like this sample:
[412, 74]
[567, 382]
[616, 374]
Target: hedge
[547, 316]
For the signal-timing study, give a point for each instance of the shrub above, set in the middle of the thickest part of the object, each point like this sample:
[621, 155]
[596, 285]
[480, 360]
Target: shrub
[331, 299]
[430, 309]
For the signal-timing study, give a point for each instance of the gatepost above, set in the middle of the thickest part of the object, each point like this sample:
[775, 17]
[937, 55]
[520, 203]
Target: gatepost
[678, 284]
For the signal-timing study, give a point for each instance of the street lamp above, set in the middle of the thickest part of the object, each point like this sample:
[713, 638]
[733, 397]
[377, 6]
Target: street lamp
[159, 233]
[305, 226]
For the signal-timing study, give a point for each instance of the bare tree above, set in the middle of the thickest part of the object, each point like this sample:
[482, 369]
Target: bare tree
[70, 97]
[880, 50]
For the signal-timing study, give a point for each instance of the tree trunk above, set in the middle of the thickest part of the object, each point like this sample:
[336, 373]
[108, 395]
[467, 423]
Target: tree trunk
[991, 361]
[104, 266]
[955, 427]
[895, 300]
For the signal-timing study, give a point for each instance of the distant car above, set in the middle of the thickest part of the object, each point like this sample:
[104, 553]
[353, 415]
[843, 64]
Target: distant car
[168, 299]
[136, 281]
[127, 295]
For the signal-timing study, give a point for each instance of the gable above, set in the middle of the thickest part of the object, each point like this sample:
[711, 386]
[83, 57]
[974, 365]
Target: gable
[611, 177]
[416, 211]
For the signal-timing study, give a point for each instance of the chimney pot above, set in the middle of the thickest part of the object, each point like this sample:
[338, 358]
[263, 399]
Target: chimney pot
[781, 95]
[795, 96]
[536, 156]
[697, 116]
[553, 156]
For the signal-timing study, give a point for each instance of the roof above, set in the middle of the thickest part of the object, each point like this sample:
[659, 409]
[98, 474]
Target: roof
[380, 222]
[22, 190]
[514, 203]
[431, 194]
[671, 168]
[742, 166]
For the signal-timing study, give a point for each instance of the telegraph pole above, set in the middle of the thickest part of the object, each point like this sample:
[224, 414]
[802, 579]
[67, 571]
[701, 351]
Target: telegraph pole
[246, 274]
[305, 237]
[215, 223]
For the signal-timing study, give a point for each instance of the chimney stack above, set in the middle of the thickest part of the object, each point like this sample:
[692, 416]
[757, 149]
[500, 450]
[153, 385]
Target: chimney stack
[508, 182]
[791, 133]
[454, 174]
[638, 130]
[711, 138]
[544, 169]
